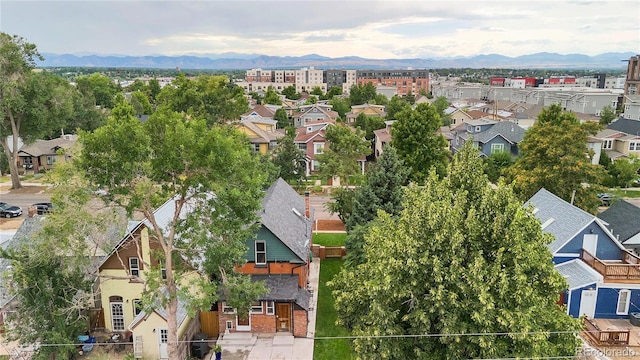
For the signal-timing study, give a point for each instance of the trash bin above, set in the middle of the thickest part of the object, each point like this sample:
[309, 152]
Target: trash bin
[634, 318]
[199, 346]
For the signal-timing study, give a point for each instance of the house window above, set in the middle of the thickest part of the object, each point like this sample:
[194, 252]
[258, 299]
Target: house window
[271, 308]
[497, 148]
[51, 159]
[137, 307]
[478, 128]
[134, 266]
[302, 146]
[318, 147]
[624, 297]
[226, 309]
[256, 307]
[315, 165]
[607, 144]
[261, 252]
[634, 146]
[163, 273]
[256, 148]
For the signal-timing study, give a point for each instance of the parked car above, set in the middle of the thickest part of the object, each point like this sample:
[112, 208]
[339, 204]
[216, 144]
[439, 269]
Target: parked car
[9, 211]
[43, 207]
[605, 199]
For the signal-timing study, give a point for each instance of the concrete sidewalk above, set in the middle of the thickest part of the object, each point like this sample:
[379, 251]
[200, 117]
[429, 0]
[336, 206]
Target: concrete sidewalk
[279, 346]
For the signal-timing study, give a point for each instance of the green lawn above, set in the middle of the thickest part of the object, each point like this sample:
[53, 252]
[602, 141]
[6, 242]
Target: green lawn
[327, 239]
[622, 193]
[326, 316]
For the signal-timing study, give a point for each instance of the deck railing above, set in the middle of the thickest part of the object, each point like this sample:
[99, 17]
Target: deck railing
[605, 337]
[628, 269]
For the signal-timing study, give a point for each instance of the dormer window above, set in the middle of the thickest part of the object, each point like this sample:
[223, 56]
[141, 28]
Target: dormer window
[261, 252]
[134, 266]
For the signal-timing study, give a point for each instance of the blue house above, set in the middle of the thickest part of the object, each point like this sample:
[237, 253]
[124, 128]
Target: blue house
[489, 136]
[603, 276]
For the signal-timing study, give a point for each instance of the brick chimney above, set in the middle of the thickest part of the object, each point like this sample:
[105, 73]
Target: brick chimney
[307, 204]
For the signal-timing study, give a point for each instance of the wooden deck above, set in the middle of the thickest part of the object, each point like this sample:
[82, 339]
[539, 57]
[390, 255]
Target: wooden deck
[614, 332]
[625, 271]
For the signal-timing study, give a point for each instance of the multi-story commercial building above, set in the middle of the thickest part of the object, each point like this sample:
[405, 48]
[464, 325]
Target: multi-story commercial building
[259, 75]
[309, 78]
[404, 81]
[632, 82]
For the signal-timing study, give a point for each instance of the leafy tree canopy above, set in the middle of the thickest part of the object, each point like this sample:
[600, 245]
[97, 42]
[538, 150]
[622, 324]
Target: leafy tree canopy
[554, 155]
[369, 124]
[179, 156]
[607, 114]
[419, 146]
[439, 269]
[361, 94]
[272, 97]
[289, 159]
[346, 147]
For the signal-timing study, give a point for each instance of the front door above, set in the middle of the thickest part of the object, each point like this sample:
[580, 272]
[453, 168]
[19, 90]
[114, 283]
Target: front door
[283, 317]
[588, 303]
[243, 323]
[163, 338]
[117, 316]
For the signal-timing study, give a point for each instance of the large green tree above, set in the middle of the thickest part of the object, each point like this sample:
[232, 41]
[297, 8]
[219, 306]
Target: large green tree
[623, 172]
[419, 146]
[272, 97]
[396, 105]
[369, 124]
[607, 114]
[60, 256]
[346, 147]
[32, 104]
[211, 97]
[289, 159]
[341, 105]
[361, 94]
[554, 155]
[100, 88]
[461, 260]
[209, 170]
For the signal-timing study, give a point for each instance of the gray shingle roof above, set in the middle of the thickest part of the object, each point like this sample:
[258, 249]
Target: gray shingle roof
[626, 126]
[623, 219]
[567, 219]
[279, 217]
[284, 288]
[578, 274]
[49, 147]
[30, 226]
[507, 129]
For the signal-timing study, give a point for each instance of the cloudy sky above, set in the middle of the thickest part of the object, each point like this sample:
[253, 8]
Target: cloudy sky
[372, 29]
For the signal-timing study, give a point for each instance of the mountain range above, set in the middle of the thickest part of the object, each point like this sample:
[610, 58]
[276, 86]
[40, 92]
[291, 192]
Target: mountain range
[235, 61]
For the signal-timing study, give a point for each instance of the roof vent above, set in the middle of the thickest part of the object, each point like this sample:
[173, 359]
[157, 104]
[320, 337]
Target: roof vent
[295, 211]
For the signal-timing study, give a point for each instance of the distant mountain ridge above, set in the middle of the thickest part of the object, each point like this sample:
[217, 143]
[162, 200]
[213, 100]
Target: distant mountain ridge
[235, 61]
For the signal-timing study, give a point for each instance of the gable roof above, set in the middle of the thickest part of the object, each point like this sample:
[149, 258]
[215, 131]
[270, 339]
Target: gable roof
[623, 219]
[507, 129]
[181, 314]
[262, 136]
[283, 213]
[567, 221]
[49, 147]
[260, 110]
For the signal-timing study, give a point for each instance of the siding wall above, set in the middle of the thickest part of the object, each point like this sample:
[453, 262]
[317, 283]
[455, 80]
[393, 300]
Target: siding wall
[606, 250]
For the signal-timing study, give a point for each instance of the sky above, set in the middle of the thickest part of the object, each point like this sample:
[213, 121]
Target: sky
[371, 29]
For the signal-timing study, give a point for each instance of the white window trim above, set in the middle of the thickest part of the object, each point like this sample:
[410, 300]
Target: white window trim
[318, 149]
[252, 311]
[626, 303]
[264, 252]
[497, 148]
[137, 307]
[136, 268]
[271, 308]
[225, 309]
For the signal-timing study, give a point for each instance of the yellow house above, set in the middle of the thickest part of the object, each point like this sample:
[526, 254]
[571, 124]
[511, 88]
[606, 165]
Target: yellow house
[122, 277]
[367, 109]
[262, 134]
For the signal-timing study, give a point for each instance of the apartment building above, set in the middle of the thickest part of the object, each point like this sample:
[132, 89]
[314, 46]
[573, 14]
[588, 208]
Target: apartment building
[306, 79]
[404, 81]
[632, 82]
[259, 75]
